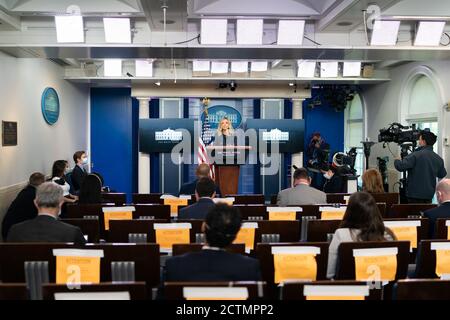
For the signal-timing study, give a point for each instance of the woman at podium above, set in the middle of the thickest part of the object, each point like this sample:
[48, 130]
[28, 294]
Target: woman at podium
[225, 133]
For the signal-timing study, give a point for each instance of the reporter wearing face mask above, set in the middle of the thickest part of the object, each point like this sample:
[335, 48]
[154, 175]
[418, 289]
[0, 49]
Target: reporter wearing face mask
[79, 171]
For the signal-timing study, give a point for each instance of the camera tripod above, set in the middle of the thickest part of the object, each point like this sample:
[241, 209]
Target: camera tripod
[406, 148]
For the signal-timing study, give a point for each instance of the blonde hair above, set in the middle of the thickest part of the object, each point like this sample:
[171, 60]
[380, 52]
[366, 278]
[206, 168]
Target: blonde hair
[230, 128]
[372, 181]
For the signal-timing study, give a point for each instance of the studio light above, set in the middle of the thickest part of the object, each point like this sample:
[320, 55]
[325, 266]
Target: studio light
[117, 30]
[144, 68]
[385, 33]
[249, 31]
[69, 29]
[290, 32]
[429, 33]
[213, 31]
[218, 67]
[306, 69]
[201, 68]
[112, 68]
[329, 69]
[239, 66]
[352, 69]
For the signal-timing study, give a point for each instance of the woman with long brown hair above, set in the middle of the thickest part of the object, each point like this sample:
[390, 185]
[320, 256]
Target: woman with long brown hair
[362, 222]
[372, 181]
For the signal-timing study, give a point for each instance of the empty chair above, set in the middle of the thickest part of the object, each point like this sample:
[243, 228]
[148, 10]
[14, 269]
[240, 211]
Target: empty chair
[422, 289]
[135, 290]
[296, 290]
[154, 211]
[441, 229]
[179, 249]
[264, 253]
[13, 291]
[252, 210]
[142, 198]
[337, 197]
[346, 266]
[120, 230]
[428, 266]
[288, 231]
[117, 198]
[89, 227]
[406, 210]
[321, 230]
[174, 290]
[247, 198]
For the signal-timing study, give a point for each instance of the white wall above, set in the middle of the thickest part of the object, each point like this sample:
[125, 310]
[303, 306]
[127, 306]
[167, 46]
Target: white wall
[22, 82]
[383, 106]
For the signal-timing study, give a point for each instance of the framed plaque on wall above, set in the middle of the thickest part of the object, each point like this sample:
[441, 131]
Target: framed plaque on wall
[9, 133]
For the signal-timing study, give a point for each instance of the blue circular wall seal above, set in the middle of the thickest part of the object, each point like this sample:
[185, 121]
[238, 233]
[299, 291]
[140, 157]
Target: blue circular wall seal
[50, 105]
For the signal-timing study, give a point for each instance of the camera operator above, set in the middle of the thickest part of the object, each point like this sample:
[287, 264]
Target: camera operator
[317, 155]
[423, 167]
[336, 176]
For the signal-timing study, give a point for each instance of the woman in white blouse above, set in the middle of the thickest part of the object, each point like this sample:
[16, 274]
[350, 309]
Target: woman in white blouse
[59, 170]
[362, 222]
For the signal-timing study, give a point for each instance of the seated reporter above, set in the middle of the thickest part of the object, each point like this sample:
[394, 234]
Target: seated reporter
[204, 193]
[213, 263]
[46, 227]
[202, 171]
[362, 222]
[372, 182]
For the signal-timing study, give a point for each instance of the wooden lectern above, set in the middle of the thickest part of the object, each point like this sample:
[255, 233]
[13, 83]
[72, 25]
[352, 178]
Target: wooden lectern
[227, 170]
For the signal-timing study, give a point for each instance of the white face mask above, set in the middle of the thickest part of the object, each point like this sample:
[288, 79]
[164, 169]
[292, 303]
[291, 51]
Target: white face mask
[84, 160]
[327, 176]
[67, 171]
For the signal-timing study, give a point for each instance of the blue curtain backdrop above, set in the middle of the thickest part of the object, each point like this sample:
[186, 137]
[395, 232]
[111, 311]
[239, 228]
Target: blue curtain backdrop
[114, 132]
[327, 121]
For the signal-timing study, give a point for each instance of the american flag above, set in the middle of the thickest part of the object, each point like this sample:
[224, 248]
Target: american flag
[205, 139]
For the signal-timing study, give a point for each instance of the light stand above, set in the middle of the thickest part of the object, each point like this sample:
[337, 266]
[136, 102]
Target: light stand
[367, 146]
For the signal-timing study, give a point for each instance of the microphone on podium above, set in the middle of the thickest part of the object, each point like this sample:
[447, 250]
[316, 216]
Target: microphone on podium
[294, 166]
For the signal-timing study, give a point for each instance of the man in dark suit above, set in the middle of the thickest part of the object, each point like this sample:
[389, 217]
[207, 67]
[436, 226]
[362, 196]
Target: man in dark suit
[23, 208]
[201, 172]
[443, 211]
[213, 263]
[46, 227]
[79, 172]
[204, 193]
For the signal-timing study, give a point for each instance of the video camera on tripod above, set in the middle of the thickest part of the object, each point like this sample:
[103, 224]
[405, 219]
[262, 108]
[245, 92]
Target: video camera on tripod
[399, 134]
[406, 137]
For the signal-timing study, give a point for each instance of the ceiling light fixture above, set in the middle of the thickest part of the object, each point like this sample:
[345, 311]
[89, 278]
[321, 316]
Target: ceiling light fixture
[249, 31]
[385, 33]
[213, 31]
[290, 32]
[69, 29]
[117, 30]
[429, 33]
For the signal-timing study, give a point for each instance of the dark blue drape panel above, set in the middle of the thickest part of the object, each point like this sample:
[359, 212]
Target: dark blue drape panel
[286, 180]
[288, 108]
[327, 121]
[257, 167]
[113, 138]
[154, 157]
[185, 171]
[135, 128]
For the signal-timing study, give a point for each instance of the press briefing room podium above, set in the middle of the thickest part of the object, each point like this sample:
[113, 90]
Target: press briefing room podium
[227, 165]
